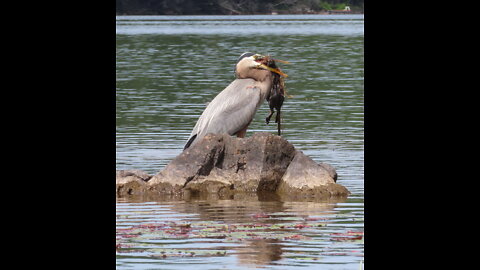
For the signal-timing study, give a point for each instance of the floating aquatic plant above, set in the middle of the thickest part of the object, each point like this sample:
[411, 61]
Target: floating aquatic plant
[141, 238]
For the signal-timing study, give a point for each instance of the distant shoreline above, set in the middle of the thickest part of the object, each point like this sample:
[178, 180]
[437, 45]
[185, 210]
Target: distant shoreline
[273, 13]
[236, 7]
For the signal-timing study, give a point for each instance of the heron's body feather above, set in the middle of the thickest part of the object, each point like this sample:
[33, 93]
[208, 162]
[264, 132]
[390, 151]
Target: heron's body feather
[232, 109]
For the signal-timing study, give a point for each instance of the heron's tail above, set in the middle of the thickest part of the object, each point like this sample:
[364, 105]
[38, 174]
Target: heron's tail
[190, 141]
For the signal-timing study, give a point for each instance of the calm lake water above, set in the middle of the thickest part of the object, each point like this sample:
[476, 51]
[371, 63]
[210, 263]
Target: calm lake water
[168, 68]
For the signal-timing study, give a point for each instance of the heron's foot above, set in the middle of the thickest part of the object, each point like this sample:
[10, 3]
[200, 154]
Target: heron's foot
[241, 133]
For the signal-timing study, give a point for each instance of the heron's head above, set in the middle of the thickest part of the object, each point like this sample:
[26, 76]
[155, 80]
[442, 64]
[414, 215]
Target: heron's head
[250, 63]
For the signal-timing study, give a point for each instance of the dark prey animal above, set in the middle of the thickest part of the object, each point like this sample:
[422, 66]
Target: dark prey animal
[276, 96]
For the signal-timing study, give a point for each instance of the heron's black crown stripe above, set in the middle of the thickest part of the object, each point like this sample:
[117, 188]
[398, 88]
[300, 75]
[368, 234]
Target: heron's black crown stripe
[245, 54]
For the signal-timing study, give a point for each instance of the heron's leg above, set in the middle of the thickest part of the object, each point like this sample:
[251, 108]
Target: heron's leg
[241, 133]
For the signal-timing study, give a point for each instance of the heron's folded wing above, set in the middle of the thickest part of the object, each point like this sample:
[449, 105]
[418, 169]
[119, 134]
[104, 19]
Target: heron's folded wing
[231, 110]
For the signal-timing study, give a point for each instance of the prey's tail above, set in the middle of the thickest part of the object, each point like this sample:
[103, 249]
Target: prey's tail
[278, 120]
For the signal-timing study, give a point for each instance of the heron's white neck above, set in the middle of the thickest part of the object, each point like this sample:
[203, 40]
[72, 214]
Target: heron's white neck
[265, 85]
[263, 78]
[259, 75]
[245, 71]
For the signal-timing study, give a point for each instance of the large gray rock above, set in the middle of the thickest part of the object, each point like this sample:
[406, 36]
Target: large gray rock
[222, 164]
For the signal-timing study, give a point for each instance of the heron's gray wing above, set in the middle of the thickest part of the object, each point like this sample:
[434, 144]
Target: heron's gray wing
[231, 110]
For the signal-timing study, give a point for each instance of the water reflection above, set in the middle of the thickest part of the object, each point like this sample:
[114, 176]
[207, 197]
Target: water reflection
[260, 252]
[256, 230]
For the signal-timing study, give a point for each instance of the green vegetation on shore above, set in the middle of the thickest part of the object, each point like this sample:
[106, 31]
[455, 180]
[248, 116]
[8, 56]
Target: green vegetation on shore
[232, 7]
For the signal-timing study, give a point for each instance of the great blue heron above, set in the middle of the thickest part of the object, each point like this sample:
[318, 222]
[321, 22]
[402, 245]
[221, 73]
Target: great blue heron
[233, 109]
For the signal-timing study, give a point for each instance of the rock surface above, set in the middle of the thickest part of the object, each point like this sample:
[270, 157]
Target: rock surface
[131, 182]
[221, 164]
[307, 178]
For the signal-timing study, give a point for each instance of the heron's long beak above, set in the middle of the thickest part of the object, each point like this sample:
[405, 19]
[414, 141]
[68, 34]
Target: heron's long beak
[276, 70]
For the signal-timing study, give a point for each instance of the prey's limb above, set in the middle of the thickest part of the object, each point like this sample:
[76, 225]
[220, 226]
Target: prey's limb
[267, 120]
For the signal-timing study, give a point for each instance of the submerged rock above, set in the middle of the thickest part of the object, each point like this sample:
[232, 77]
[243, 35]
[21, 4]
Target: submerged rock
[222, 164]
